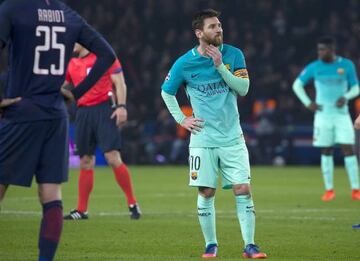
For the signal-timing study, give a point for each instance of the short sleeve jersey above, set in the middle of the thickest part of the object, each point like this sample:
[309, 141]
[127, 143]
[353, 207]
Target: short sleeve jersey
[210, 97]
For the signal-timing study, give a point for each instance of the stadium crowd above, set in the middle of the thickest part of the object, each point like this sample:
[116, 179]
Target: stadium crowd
[148, 35]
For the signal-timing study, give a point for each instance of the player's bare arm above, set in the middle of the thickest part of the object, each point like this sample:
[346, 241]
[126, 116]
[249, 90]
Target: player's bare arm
[120, 113]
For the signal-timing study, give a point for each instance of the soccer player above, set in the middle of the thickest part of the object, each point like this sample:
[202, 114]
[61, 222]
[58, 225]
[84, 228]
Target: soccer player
[214, 74]
[97, 124]
[335, 83]
[33, 131]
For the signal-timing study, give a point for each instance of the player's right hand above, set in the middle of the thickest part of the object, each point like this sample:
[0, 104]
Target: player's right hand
[194, 125]
[120, 116]
[314, 107]
[9, 101]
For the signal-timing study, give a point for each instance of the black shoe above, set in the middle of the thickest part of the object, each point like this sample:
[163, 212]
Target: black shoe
[134, 211]
[75, 215]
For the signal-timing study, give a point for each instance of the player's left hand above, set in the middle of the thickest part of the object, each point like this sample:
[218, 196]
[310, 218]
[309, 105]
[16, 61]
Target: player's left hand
[120, 115]
[67, 94]
[215, 54]
[341, 102]
[9, 101]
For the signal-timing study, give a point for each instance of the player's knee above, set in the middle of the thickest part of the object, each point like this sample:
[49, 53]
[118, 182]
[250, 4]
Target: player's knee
[347, 150]
[241, 189]
[87, 162]
[207, 192]
[327, 151]
[49, 192]
[113, 158]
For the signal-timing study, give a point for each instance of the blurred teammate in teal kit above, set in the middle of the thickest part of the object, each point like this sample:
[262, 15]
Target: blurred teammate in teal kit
[336, 82]
[214, 74]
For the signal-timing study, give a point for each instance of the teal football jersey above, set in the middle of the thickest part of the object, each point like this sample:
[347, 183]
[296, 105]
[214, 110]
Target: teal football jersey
[332, 81]
[210, 97]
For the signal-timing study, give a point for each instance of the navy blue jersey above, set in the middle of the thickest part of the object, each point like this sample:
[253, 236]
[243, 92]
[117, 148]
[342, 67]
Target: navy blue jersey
[41, 35]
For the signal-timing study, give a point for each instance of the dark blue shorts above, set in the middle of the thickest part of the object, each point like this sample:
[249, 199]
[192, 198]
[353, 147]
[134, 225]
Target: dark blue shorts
[94, 127]
[38, 148]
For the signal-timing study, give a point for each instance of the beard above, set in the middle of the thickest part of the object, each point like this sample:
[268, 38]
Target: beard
[217, 40]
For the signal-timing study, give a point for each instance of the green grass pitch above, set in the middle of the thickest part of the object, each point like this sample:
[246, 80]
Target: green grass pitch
[292, 222]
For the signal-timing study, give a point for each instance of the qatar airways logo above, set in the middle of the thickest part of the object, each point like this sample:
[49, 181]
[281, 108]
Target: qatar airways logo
[211, 89]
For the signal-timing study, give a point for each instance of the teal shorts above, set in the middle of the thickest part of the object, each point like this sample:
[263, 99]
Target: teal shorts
[333, 129]
[232, 163]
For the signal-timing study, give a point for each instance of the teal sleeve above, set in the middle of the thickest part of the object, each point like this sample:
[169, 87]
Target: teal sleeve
[238, 84]
[353, 92]
[351, 75]
[174, 79]
[173, 107]
[239, 62]
[298, 88]
[307, 74]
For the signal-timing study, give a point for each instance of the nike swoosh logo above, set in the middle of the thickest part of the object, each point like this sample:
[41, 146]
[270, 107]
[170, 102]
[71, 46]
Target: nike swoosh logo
[194, 75]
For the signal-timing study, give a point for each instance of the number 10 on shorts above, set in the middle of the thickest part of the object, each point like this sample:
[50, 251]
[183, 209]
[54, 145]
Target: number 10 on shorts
[194, 162]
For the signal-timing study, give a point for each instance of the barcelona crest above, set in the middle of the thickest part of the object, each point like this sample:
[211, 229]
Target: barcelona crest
[194, 175]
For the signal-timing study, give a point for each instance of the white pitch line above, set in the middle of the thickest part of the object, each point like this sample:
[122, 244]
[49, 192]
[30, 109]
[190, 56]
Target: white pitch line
[221, 214]
[20, 212]
[150, 195]
[296, 210]
[303, 218]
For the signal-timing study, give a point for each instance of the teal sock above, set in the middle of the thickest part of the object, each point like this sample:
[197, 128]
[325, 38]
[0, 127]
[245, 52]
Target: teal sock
[352, 169]
[246, 215]
[206, 214]
[327, 169]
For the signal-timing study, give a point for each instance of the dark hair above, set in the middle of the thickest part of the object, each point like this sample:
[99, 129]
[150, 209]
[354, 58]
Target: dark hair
[198, 18]
[327, 40]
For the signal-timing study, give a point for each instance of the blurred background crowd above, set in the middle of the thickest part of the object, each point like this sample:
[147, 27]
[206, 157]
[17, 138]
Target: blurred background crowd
[149, 35]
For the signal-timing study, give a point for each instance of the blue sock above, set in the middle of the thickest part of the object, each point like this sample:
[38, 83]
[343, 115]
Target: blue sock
[50, 230]
[206, 214]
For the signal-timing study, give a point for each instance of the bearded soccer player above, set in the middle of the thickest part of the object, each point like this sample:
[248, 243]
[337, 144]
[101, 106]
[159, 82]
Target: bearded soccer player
[336, 83]
[33, 131]
[214, 74]
[97, 124]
